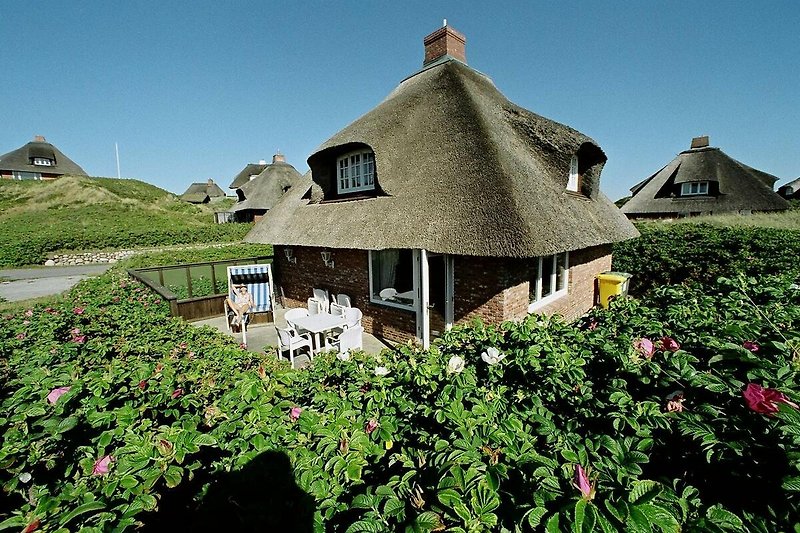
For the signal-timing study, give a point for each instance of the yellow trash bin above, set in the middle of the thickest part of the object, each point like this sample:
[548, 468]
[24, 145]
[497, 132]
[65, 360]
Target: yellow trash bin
[612, 284]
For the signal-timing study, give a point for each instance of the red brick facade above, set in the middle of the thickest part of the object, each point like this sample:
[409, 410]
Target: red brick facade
[489, 288]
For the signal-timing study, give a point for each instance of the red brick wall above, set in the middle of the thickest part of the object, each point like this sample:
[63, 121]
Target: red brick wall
[487, 288]
[350, 276]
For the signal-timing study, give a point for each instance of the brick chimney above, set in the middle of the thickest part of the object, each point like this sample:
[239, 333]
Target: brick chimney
[442, 42]
[278, 158]
[700, 142]
[39, 139]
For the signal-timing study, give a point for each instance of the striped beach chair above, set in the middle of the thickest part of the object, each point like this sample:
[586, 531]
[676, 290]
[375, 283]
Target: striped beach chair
[258, 280]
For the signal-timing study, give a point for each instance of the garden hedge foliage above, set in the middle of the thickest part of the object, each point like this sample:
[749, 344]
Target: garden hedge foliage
[675, 253]
[677, 411]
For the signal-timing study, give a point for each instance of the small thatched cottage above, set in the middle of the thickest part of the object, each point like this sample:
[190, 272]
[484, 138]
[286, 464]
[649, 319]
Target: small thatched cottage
[37, 160]
[249, 172]
[703, 181]
[203, 193]
[790, 191]
[445, 203]
[260, 194]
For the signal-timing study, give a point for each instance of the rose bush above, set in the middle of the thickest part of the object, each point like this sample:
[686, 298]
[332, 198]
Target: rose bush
[522, 426]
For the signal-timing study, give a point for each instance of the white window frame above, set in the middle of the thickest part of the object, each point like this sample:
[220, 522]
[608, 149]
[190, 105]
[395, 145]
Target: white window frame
[572, 184]
[42, 162]
[557, 292]
[355, 171]
[416, 283]
[694, 188]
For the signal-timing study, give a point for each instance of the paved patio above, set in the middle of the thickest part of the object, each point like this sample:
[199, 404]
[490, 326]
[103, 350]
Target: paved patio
[263, 336]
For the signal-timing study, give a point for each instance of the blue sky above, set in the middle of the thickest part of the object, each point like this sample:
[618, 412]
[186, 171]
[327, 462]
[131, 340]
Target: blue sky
[195, 90]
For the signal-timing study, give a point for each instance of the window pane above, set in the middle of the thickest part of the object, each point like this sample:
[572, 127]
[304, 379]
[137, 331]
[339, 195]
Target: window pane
[703, 188]
[547, 276]
[393, 269]
[561, 278]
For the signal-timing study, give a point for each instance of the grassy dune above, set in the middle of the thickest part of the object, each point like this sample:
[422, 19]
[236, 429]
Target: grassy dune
[81, 213]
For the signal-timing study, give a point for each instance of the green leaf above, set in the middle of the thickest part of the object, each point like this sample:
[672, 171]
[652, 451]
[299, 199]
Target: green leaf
[580, 512]
[87, 507]
[393, 507]
[644, 490]
[535, 516]
[724, 518]
[661, 517]
[552, 525]
[570, 456]
[449, 497]
[173, 476]
[367, 526]
[428, 521]
[354, 469]
[792, 483]
[14, 521]
[128, 482]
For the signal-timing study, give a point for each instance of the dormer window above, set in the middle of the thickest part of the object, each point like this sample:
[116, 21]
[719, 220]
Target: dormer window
[42, 162]
[574, 178]
[694, 188]
[355, 172]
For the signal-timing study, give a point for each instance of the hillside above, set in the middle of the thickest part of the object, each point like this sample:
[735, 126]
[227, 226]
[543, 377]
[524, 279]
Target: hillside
[80, 213]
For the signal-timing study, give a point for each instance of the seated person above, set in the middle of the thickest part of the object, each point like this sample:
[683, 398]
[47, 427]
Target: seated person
[242, 301]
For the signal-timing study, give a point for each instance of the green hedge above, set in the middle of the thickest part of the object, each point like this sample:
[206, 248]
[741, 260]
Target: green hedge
[676, 253]
[170, 427]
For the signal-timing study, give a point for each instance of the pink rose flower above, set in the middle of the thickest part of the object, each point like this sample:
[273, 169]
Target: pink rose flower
[143, 384]
[57, 393]
[644, 346]
[100, 467]
[764, 401]
[20, 336]
[751, 345]
[177, 393]
[294, 413]
[669, 344]
[26, 322]
[78, 310]
[29, 312]
[371, 426]
[582, 483]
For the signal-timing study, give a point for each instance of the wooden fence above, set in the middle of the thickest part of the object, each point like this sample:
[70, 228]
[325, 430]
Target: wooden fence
[193, 304]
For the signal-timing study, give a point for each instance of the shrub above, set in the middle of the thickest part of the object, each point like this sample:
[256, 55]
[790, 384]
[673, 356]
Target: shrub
[203, 435]
[674, 253]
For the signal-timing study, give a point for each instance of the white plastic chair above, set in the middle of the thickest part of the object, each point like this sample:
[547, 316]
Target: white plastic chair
[353, 316]
[291, 341]
[321, 295]
[341, 303]
[388, 293]
[349, 339]
[293, 314]
[314, 306]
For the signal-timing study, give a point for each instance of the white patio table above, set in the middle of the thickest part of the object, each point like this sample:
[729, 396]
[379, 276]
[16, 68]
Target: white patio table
[318, 324]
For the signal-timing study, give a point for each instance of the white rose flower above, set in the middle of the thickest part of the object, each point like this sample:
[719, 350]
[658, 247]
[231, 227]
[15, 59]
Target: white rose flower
[381, 370]
[24, 477]
[343, 356]
[492, 356]
[455, 365]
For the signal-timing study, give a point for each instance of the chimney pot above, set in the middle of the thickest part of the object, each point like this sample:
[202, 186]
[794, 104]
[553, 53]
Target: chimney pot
[445, 41]
[39, 139]
[700, 142]
[262, 161]
[278, 158]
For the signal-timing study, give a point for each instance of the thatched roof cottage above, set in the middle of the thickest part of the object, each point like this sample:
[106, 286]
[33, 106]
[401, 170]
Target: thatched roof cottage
[260, 194]
[702, 181]
[445, 203]
[37, 160]
[791, 190]
[203, 193]
[249, 172]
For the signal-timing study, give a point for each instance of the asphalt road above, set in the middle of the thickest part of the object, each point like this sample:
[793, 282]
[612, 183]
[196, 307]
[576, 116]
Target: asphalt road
[24, 283]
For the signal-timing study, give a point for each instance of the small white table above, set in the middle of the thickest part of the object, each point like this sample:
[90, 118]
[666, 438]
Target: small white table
[318, 324]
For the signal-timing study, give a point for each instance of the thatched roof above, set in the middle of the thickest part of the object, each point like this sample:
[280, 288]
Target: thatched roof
[21, 159]
[199, 193]
[252, 169]
[459, 170]
[790, 190]
[266, 189]
[733, 187]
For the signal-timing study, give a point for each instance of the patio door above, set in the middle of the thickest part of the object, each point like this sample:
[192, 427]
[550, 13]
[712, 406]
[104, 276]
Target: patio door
[435, 310]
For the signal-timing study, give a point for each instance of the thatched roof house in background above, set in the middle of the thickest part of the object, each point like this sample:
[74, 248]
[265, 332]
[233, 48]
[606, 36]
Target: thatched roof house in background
[702, 181]
[37, 160]
[444, 203]
[203, 193]
[249, 172]
[790, 191]
[261, 193]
